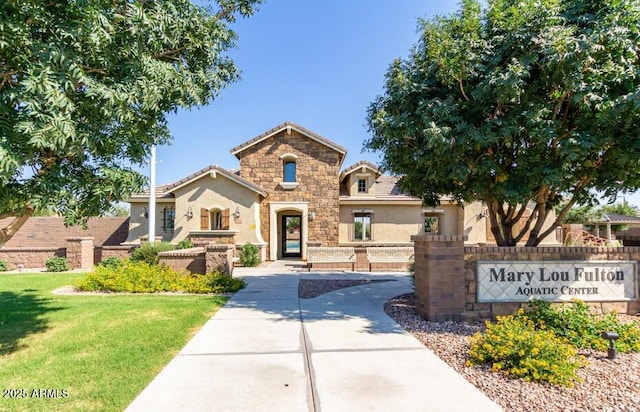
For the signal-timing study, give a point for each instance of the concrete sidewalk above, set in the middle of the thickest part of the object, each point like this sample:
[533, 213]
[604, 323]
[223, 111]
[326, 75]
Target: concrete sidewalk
[268, 350]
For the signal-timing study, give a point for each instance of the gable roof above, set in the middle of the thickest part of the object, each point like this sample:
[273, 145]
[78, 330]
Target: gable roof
[167, 190]
[363, 164]
[289, 126]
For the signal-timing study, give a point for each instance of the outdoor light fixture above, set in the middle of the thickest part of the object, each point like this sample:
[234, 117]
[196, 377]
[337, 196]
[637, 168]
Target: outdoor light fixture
[611, 337]
[236, 214]
[144, 214]
[189, 213]
[312, 215]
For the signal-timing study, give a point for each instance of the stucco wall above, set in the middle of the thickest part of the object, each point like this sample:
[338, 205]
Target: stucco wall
[138, 225]
[476, 226]
[395, 223]
[221, 193]
[352, 184]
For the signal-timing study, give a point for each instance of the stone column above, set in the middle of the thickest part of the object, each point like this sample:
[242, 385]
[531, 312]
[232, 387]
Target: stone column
[80, 252]
[440, 277]
[219, 257]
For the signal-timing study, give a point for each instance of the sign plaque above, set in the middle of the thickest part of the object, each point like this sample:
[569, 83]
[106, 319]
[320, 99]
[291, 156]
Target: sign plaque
[556, 281]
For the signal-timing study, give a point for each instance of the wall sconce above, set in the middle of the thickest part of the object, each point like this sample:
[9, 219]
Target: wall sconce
[312, 215]
[189, 213]
[483, 213]
[144, 214]
[236, 214]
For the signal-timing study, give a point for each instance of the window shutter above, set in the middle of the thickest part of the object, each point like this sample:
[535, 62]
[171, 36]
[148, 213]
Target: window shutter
[204, 219]
[225, 219]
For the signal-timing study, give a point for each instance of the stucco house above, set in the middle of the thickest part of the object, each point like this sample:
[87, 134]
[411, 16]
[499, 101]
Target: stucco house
[291, 192]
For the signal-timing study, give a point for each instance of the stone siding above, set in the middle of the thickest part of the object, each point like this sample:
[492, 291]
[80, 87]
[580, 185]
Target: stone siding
[317, 168]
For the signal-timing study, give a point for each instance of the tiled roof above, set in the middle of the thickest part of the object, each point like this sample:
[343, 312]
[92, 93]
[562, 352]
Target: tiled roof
[388, 187]
[51, 231]
[284, 126]
[165, 191]
[617, 218]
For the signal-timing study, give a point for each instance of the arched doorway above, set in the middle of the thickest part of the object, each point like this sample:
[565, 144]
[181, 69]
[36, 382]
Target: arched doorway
[288, 230]
[291, 235]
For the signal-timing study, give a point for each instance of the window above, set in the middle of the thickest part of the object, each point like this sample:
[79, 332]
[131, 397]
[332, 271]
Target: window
[433, 221]
[289, 171]
[214, 219]
[168, 218]
[431, 224]
[362, 185]
[362, 226]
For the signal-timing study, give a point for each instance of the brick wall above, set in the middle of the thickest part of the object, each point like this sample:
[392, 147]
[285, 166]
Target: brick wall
[439, 277]
[101, 253]
[192, 260]
[51, 232]
[30, 257]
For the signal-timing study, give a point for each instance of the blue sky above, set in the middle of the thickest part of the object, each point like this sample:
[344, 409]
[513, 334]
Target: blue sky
[318, 63]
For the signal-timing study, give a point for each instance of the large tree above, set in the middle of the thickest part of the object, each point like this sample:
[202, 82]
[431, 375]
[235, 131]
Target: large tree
[85, 87]
[521, 103]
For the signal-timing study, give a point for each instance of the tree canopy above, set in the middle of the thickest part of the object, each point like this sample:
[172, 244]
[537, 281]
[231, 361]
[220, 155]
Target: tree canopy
[521, 103]
[85, 87]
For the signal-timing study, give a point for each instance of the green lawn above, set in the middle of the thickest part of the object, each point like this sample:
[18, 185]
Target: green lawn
[99, 352]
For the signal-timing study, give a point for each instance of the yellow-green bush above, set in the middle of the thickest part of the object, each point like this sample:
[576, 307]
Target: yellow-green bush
[575, 323]
[513, 346]
[140, 277]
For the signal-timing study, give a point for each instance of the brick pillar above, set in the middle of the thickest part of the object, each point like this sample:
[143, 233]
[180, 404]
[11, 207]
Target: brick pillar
[362, 263]
[440, 277]
[219, 257]
[80, 252]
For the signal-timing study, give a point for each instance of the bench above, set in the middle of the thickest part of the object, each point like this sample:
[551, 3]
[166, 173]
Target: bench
[323, 254]
[389, 255]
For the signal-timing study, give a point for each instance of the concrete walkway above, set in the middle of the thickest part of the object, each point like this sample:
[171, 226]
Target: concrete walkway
[268, 350]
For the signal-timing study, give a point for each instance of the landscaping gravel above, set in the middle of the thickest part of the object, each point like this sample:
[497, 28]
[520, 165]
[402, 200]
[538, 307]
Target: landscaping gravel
[608, 385]
[312, 288]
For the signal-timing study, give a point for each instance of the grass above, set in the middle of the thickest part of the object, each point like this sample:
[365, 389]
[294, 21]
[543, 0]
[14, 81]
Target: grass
[102, 350]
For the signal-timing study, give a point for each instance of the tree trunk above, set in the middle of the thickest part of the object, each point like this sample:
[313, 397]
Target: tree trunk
[12, 228]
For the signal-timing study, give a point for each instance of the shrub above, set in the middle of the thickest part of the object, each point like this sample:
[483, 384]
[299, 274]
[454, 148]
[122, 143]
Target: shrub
[140, 277]
[112, 262]
[4, 265]
[515, 347]
[185, 244]
[578, 326]
[57, 264]
[249, 255]
[148, 252]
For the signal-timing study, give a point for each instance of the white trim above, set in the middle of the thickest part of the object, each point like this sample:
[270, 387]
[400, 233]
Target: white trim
[289, 156]
[288, 185]
[288, 127]
[214, 174]
[256, 215]
[274, 209]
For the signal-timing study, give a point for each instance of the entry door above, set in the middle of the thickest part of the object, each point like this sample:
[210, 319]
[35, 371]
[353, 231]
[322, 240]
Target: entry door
[291, 236]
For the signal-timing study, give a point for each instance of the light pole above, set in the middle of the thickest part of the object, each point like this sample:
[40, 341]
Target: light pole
[152, 196]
